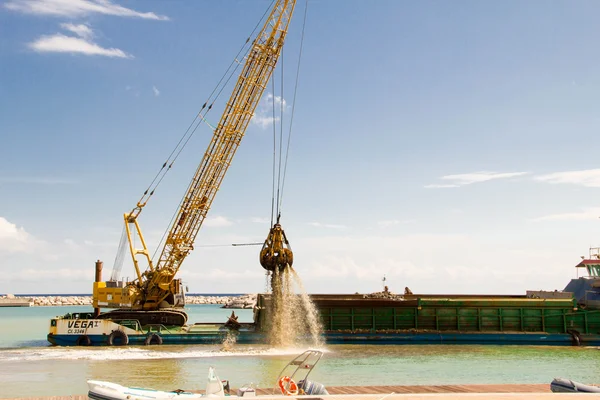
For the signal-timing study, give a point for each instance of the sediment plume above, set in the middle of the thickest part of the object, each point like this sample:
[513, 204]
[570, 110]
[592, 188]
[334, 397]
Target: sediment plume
[229, 342]
[294, 318]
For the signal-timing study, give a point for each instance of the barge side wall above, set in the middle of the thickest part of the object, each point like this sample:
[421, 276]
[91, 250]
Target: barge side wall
[353, 315]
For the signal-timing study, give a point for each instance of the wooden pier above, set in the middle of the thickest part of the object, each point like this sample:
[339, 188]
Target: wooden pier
[404, 389]
[415, 392]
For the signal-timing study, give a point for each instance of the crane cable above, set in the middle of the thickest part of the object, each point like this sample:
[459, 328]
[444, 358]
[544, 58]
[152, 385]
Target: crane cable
[281, 179]
[199, 117]
[274, 154]
[120, 256]
[282, 106]
[202, 117]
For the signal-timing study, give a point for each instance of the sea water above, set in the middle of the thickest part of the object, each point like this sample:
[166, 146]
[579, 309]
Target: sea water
[28, 326]
[30, 367]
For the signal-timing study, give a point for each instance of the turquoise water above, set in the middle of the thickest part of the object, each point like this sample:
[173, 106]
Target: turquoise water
[28, 362]
[28, 326]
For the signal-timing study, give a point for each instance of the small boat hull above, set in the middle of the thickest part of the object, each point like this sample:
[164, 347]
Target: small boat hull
[560, 385]
[100, 390]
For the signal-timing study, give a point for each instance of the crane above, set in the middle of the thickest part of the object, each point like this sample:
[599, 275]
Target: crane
[156, 295]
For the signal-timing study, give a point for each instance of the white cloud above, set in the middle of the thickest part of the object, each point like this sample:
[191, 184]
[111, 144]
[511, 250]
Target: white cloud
[439, 186]
[28, 264]
[588, 178]
[60, 43]
[78, 8]
[217, 222]
[336, 267]
[263, 116]
[585, 214]
[279, 101]
[473, 177]
[9, 230]
[367, 258]
[156, 91]
[263, 121]
[80, 30]
[222, 273]
[390, 222]
[134, 91]
[330, 226]
[431, 263]
[13, 239]
[260, 220]
[335, 263]
[51, 275]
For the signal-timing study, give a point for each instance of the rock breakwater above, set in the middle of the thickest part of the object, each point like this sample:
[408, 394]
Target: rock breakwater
[237, 302]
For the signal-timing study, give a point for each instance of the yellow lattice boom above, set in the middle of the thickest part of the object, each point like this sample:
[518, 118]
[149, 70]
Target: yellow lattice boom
[158, 284]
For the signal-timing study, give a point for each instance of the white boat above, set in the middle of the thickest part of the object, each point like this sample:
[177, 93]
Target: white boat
[292, 381]
[99, 390]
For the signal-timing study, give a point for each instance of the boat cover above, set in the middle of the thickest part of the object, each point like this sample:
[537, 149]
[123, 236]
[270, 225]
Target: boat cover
[561, 385]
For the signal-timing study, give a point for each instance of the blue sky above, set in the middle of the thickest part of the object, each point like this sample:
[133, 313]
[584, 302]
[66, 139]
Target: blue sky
[448, 146]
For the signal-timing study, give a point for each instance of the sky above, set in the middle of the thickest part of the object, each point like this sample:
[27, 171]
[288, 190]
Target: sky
[450, 147]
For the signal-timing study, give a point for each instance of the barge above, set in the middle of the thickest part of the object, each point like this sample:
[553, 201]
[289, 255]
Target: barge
[354, 320]
[568, 317]
[436, 319]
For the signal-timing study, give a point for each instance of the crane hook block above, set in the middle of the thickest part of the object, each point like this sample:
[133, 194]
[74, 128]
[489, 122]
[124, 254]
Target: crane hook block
[276, 251]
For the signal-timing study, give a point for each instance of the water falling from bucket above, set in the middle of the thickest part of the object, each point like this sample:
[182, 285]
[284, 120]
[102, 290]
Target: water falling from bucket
[294, 317]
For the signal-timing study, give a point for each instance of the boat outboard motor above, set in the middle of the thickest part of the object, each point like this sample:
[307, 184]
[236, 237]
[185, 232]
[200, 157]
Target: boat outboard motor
[310, 387]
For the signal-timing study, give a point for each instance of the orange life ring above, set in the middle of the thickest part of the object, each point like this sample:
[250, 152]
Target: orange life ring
[288, 386]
